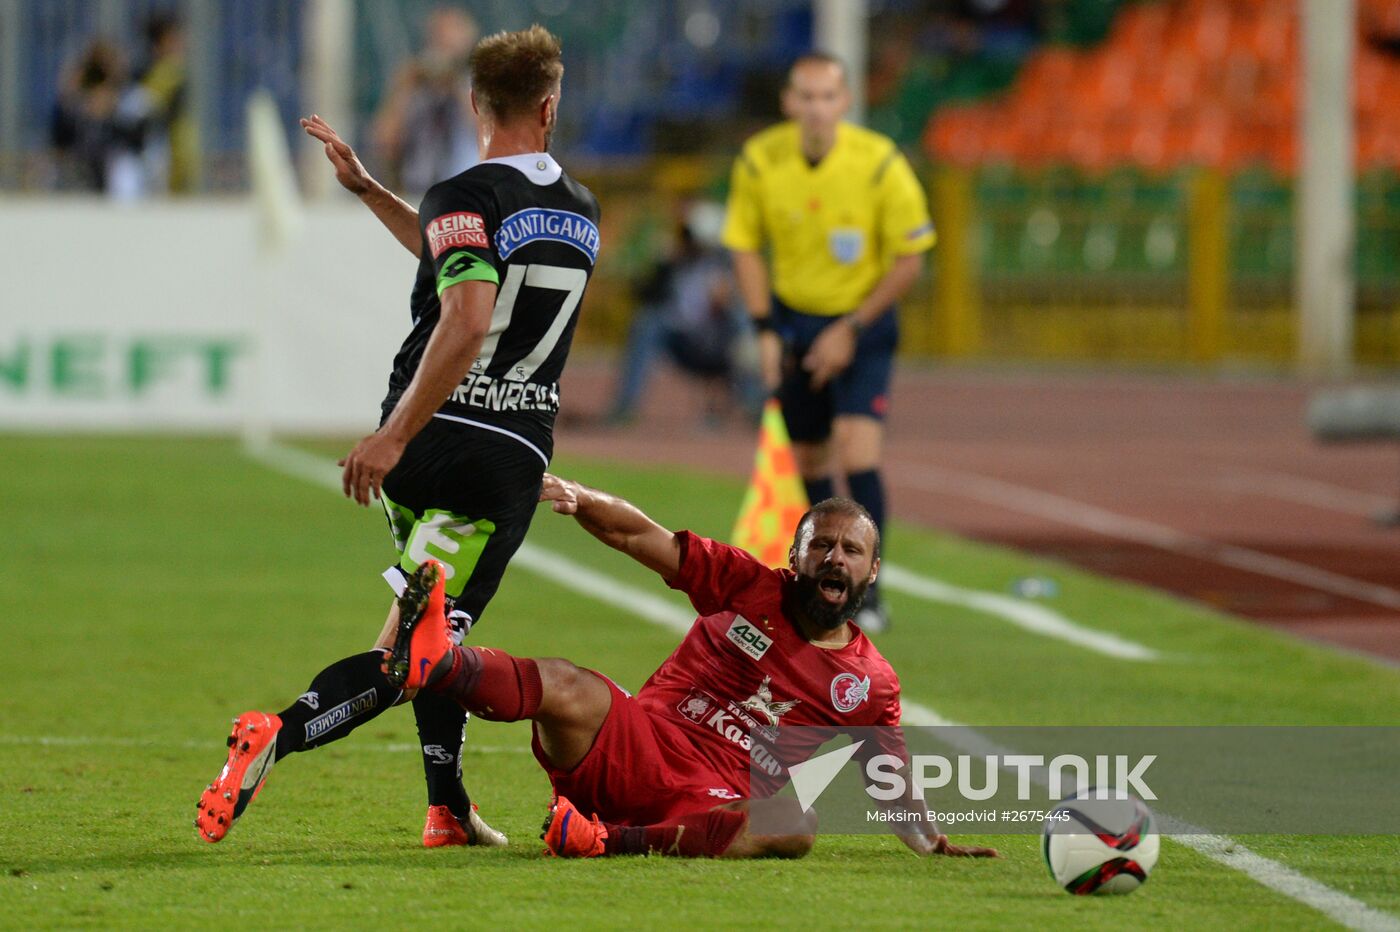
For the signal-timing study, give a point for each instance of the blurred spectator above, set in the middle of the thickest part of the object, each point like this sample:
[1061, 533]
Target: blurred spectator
[99, 125]
[1006, 28]
[688, 309]
[172, 144]
[425, 132]
[902, 85]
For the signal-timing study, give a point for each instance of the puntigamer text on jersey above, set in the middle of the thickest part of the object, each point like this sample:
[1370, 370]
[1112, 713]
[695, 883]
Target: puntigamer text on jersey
[537, 223]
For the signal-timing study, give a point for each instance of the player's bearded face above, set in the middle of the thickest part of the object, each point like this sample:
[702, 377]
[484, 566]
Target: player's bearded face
[833, 564]
[831, 598]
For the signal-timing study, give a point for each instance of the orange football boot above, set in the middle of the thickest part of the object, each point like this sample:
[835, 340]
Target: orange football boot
[423, 638]
[442, 829]
[251, 754]
[568, 833]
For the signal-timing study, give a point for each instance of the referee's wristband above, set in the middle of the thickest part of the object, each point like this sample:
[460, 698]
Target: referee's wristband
[763, 324]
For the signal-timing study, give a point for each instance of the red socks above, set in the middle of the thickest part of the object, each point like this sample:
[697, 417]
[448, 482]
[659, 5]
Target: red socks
[696, 835]
[492, 684]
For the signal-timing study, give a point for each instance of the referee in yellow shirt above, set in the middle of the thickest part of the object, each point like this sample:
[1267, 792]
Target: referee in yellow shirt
[844, 225]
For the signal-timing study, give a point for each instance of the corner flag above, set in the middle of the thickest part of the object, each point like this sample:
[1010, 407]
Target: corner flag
[776, 498]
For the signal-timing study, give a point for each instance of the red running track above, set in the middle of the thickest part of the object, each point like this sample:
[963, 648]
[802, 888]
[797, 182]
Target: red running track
[1211, 489]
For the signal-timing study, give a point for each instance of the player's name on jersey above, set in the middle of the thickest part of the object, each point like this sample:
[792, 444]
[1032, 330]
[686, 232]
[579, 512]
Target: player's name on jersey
[540, 223]
[482, 391]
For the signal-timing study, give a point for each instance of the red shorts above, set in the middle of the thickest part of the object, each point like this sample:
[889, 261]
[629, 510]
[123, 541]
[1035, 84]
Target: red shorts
[641, 770]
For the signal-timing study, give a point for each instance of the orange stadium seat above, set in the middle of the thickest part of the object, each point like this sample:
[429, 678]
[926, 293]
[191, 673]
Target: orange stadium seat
[1211, 82]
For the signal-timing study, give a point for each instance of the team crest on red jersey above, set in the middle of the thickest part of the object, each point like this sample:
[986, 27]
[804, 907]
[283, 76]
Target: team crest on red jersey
[848, 691]
[695, 706]
[462, 228]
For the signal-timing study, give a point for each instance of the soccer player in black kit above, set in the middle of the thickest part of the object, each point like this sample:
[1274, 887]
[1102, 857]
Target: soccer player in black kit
[506, 249]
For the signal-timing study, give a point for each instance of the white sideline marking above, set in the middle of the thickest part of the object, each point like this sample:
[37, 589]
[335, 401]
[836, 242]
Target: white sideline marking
[1024, 614]
[1312, 492]
[1331, 902]
[1334, 904]
[1111, 524]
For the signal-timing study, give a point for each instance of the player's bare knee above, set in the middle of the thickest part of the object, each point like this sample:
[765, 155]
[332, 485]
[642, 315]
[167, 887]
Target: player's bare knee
[558, 676]
[791, 831]
[791, 847]
[568, 689]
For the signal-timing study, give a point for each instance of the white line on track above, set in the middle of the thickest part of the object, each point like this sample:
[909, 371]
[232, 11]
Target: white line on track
[1064, 510]
[1024, 614]
[1332, 903]
[1302, 491]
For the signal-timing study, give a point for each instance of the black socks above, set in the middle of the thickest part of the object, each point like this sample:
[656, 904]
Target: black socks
[441, 727]
[341, 698]
[867, 489]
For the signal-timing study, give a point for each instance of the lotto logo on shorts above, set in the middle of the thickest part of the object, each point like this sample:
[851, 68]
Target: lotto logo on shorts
[459, 229]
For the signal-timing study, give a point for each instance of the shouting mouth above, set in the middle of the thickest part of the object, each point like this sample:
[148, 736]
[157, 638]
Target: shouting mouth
[833, 589]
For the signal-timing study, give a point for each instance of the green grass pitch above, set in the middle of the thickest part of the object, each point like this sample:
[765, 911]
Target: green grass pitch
[153, 588]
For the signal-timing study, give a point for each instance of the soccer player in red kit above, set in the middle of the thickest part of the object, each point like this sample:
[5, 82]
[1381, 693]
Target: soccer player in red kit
[667, 771]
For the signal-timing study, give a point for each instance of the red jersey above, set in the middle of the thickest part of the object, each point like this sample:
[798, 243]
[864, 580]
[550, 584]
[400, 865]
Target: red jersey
[745, 665]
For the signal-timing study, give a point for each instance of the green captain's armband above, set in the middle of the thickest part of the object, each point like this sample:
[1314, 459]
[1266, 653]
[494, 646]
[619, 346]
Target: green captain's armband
[462, 266]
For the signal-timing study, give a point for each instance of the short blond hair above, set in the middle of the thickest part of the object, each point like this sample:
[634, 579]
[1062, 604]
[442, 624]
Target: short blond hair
[512, 72]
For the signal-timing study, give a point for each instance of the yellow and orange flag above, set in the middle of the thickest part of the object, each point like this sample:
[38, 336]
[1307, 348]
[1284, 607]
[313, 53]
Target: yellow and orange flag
[776, 499]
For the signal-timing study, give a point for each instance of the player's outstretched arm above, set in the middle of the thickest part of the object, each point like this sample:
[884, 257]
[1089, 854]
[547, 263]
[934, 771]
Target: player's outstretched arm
[393, 211]
[617, 523]
[913, 811]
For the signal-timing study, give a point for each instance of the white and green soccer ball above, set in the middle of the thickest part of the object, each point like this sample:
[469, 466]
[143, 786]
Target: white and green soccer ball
[1094, 845]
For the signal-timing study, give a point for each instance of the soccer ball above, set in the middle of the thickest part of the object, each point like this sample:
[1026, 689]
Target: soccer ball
[1100, 845]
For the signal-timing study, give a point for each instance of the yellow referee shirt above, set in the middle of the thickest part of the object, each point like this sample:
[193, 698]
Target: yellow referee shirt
[834, 229]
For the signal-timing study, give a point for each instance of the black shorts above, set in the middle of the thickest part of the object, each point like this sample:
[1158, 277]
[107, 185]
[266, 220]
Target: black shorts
[464, 496]
[863, 388]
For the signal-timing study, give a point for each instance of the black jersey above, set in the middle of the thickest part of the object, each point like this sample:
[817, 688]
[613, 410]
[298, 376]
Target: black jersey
[522, 223]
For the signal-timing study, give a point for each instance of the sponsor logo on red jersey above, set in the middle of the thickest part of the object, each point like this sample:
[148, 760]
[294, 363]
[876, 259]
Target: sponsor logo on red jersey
[745, 635]
[458, 229]
[848, 691]
[733, 723]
